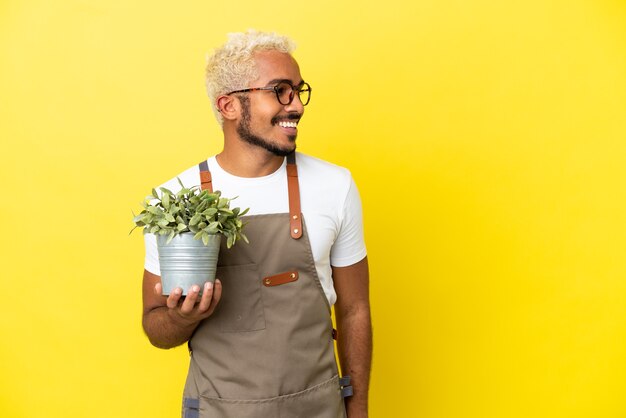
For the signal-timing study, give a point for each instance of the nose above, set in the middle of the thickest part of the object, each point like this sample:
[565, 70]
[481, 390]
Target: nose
[295, 105]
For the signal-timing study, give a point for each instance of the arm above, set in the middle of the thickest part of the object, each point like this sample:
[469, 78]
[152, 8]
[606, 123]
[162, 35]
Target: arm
[169, 321]
[354, 330]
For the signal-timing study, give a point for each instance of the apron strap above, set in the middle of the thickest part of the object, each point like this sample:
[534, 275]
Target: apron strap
[205, 177]
[295, 214]
[293, 188]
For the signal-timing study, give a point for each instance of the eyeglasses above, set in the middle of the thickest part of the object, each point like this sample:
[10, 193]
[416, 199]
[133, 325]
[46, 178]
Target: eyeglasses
[285, 92]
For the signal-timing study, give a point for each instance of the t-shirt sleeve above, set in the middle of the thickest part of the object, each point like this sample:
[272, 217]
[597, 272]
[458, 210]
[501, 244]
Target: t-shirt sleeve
[151, 262]
[349, 247]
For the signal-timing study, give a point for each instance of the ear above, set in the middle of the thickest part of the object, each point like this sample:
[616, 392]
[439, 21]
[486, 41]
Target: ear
[228, 107]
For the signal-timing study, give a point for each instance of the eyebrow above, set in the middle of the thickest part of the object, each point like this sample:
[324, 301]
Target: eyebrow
[280, 80]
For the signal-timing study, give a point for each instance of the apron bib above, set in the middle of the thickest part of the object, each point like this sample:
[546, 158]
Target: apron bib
[267, 350]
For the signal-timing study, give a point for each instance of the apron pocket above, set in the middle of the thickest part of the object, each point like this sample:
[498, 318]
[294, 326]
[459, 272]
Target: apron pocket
[241, 306]
[320, 401]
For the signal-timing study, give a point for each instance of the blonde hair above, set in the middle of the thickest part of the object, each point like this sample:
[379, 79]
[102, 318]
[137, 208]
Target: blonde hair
[232, 67]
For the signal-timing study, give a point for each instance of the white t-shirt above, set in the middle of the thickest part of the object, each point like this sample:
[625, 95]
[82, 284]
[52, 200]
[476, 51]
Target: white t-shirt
[329, 200]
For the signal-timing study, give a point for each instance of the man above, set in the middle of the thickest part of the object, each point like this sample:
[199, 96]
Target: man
[261, 337]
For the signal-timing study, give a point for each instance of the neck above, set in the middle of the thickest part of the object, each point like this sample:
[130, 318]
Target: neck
[242, 159]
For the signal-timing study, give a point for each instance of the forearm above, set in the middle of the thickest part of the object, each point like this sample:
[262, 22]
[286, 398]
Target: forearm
[355, 355]
[165, 330]
[169, 321]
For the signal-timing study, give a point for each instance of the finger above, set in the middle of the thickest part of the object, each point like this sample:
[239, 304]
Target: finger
[190, 300]
[174, 297]
[207, 294]
[217, 295]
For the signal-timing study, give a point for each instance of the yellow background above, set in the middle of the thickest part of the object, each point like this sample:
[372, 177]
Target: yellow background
[487, 138]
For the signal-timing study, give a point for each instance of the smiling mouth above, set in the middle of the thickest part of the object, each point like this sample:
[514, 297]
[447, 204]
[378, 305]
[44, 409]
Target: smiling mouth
[287, 124]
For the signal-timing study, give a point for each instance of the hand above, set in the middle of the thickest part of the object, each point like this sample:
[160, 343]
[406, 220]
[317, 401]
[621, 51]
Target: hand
[190, 310]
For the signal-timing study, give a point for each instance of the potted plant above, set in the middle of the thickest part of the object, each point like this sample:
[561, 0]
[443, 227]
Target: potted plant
[189, 226]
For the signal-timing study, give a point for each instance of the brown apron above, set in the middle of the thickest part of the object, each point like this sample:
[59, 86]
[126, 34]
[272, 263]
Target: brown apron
[267, 350]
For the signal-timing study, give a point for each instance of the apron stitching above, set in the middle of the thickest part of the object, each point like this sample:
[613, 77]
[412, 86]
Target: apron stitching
[312, 389]
[311, 261]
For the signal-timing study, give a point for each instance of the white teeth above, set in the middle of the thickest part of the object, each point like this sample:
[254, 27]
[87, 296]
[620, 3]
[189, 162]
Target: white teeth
[288, 124]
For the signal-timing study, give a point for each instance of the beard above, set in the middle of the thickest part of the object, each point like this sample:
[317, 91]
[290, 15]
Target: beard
[245, 133]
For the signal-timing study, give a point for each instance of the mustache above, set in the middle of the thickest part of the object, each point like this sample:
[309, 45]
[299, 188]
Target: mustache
[290, 117]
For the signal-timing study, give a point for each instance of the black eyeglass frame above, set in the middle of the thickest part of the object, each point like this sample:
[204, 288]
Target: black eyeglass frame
[299, 88]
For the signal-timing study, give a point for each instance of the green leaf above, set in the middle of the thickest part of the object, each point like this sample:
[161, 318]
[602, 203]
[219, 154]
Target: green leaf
[154, 210]
[209, 212]
[170, 237]
[201, 206]
[163, 223]
[166, 201]
[205, 238]
[244, 212]
[164, 190]
[154, 229]
[183, 191]
[154, 193]
[181, 227]
[230, 241]
[169, 218]
[195, 219]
